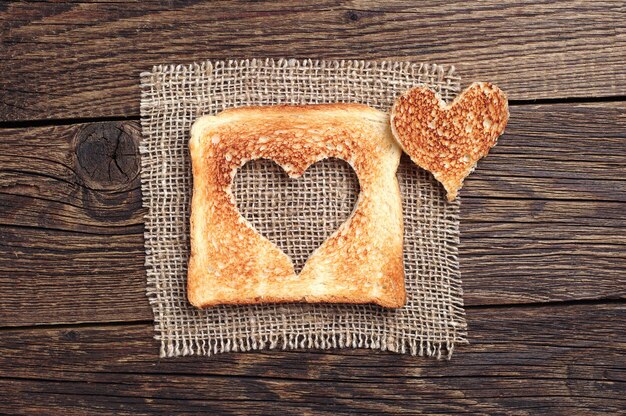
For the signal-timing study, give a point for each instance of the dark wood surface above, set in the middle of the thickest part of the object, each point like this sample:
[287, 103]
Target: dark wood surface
[82, 59]
[521, 361]
[543, 251]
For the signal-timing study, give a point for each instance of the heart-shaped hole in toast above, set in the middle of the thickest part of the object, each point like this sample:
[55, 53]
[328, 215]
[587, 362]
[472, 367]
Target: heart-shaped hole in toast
[296, 214]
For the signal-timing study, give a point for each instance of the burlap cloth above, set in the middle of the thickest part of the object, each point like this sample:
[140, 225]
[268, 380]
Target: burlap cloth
[295, 214]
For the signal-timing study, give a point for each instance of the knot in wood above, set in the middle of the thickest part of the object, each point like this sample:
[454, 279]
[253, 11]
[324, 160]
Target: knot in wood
[107, 154]
[352, 16]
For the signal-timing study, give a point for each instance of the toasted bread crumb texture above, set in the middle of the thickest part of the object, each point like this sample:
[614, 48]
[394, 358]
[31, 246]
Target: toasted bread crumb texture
[231, 263]
[448, 140]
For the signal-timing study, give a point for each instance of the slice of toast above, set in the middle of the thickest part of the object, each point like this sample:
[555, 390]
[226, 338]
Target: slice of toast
[448, 140]
[231, 263]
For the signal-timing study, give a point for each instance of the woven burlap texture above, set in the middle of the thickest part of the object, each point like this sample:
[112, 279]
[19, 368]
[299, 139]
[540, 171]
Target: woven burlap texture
[295, 214]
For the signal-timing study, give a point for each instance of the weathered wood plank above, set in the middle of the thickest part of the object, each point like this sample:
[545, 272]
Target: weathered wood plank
[548, 360]
[71, 217]
[518, 251]
[56, 276]
[82, 59]
[562, 151]
[69, 177]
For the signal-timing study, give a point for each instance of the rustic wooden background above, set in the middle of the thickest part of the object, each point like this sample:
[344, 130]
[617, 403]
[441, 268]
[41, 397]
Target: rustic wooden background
[543, 225]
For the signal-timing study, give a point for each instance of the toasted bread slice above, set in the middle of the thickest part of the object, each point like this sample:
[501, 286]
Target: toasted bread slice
[448, 140]
[231, 263]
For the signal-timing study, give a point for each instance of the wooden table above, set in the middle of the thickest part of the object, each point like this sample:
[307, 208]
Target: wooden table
[543, 217]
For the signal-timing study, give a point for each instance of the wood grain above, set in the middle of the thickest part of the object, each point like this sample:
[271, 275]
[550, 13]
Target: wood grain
[68, 221]
[66, 59]
[534, 360]
[71, 224]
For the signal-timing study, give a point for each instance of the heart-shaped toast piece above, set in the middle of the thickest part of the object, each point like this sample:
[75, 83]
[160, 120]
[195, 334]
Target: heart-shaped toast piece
[449, 139]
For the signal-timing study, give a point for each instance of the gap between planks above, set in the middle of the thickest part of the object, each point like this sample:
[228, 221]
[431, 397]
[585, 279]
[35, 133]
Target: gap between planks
[45, 122]
[484, 307]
